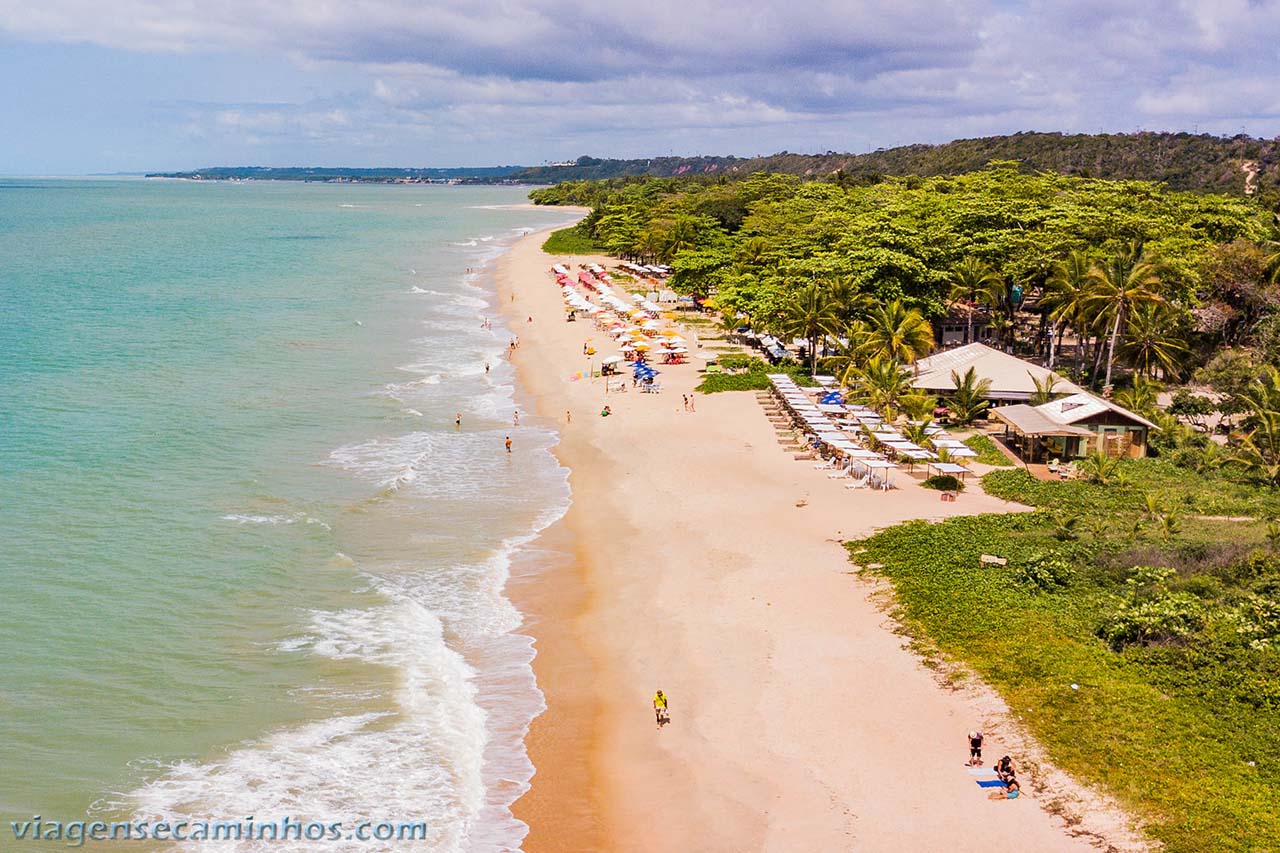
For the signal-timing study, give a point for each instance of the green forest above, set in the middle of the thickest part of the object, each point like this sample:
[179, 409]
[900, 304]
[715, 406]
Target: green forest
[1136, 627]
[1233, 165]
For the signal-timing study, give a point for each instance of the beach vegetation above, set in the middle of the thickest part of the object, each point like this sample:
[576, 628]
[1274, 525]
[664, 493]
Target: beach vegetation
[574, 240]
[750, 373]
[988, 453]
[1143, 655]
[943, 483]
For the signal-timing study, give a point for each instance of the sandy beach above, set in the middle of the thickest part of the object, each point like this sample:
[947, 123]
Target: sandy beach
[708, 563]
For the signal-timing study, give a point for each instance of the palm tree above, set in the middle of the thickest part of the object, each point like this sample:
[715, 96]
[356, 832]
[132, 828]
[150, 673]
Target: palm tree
[813, 316]
[969, 400]
[1065, 301]
[917, 431]
[1258, 450]
[973, 281]
[1001, 327]
[1100, 468]
[883, 383]
[1152, 342]
[682, 235]
[1124, 282]
[1141, 398]
[897, 333]
[853, 302]
[1044, 392]
[919, 406]
[848, 359]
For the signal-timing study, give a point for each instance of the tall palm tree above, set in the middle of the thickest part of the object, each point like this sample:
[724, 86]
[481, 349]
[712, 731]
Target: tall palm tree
[1065, 301]
[682, 235]
[1123, 282]
[1152, 341]
[849, 357]
[882, 383]
[812, 315]
[969, 400]
[854, 302]
[973, 281]
[898, 333]
[1001, 328]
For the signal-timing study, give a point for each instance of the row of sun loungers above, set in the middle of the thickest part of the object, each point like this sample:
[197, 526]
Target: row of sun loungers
[841, 432]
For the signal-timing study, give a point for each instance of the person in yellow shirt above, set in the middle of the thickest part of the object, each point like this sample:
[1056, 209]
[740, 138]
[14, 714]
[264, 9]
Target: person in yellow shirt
[660, 708]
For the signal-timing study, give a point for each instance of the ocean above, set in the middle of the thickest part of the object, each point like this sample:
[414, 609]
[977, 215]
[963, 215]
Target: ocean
[249, 565]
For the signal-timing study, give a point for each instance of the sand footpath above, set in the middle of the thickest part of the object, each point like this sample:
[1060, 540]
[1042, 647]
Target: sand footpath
[708, 563]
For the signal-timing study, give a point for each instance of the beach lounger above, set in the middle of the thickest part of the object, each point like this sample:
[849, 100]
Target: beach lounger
[859, 483]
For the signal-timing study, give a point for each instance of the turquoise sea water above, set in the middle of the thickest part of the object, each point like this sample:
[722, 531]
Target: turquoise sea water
[248, 565]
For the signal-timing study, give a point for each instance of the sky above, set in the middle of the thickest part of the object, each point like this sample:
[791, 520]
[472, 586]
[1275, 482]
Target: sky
[137, 85]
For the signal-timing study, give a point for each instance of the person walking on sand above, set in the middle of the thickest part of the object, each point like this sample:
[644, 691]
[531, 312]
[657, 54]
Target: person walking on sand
[692, 407]
[508, 444]
[975, 749]
[660, 709]
[568, 416]
[515, 418]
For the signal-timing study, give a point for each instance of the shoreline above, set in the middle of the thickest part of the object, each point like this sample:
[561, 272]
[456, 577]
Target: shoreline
[707, 561]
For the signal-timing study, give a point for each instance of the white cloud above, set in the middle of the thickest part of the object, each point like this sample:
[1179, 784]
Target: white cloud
[552, 78]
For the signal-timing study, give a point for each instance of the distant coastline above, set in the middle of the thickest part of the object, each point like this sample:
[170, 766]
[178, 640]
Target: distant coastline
[1239, 165]
[339, 175]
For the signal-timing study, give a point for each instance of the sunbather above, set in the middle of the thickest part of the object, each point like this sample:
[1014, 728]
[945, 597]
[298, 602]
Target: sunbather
[1011, 791]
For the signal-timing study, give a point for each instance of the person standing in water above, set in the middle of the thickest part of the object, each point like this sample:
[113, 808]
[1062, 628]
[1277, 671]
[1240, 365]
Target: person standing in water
[660, 709]
[515, 418]
[457, 420]
[508, 444]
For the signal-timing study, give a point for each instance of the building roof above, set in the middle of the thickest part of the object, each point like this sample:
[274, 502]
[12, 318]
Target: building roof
[1029, 420]
[1058, 417]
[1011, 377]
[1077, 407]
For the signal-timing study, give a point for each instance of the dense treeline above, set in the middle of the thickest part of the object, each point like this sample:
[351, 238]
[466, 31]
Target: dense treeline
[1110, 283]
[1182, 160]
[1029, 252]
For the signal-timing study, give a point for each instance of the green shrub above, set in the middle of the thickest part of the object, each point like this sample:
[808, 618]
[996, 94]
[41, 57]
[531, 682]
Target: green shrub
[988, 453]
[574, 240]
[944, 483]
[1045, 572]
[1151, 613]
[1257, 621]
[753, 374]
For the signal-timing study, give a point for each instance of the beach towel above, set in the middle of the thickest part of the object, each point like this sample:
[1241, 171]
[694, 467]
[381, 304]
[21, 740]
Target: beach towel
[989, 783]
[981, 771]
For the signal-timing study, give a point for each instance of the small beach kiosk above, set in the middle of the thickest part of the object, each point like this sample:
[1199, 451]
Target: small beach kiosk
[1072, 428]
